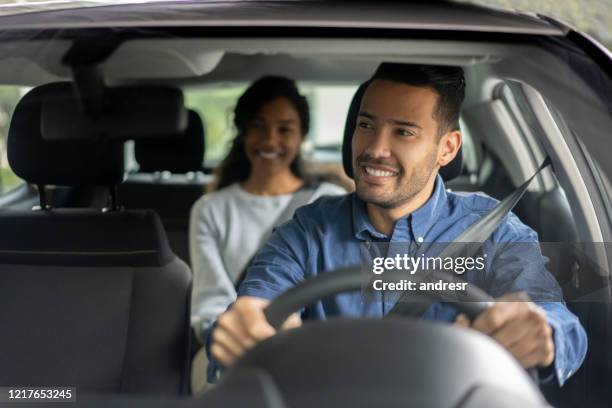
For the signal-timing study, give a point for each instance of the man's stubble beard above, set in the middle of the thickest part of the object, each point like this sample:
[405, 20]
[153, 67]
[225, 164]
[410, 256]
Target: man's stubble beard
[402, 193]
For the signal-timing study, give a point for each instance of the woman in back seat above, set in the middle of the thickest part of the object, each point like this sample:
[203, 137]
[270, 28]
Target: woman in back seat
[259, 185]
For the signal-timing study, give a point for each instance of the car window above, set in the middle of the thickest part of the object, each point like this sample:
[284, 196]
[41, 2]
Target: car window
[9, 96]
[328, 108]
[601, 179]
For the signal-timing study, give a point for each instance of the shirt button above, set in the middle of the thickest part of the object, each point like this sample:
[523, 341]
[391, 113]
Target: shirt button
[420, 240]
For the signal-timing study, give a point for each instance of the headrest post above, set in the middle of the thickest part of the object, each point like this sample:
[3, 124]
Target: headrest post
[112, 200]
[42, 196]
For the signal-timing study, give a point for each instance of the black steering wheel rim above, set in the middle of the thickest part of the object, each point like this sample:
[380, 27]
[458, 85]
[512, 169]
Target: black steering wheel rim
[472, 301]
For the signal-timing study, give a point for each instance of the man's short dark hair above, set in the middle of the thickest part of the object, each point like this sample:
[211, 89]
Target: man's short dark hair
[447, 82]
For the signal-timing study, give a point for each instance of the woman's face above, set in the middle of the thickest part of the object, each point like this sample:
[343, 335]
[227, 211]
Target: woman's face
[273, 136]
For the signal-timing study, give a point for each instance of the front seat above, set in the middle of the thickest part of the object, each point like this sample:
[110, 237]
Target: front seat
[89, 298]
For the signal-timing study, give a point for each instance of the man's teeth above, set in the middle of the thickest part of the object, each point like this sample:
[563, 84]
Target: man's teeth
[268, 155]
[379, 173]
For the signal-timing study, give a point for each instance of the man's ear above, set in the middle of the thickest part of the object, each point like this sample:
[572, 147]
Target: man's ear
[448, 147]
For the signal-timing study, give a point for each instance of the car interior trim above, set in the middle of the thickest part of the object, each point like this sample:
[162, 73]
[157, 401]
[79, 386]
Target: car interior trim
[561, 155]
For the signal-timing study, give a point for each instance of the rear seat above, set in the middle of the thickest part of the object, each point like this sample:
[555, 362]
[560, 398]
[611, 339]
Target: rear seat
[169, 181]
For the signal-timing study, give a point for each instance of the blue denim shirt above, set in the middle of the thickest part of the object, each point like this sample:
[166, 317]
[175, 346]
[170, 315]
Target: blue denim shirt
[329, 234]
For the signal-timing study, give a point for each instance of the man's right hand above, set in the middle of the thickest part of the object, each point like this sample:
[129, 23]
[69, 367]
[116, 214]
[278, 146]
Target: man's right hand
[241, 327]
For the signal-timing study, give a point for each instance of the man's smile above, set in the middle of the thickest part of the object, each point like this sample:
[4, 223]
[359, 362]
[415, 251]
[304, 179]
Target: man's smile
[377, 173]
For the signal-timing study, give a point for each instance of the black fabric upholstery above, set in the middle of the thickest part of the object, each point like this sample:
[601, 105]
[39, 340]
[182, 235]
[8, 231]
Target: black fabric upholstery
[448, 172]
[170, 198]
[119, 330]
[122, 113]
[83, 237]
[172, 201]
[96, 300]
[70, 163]
[90, 299]
[176, 154]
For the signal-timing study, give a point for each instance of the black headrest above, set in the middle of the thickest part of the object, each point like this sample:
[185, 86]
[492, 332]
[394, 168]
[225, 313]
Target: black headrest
[174, 154]
[66, 163]
[448, 172]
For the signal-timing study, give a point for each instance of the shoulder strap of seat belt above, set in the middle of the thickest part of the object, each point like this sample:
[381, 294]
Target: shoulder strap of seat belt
[478, 232]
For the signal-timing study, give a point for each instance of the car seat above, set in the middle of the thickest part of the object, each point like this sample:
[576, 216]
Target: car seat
[169, 180]
[91, 298]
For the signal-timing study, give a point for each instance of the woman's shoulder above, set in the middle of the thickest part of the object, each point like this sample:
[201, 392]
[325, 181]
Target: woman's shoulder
[327, 188]
[215, 200]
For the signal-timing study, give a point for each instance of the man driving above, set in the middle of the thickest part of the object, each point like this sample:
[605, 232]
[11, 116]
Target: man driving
[407, 129]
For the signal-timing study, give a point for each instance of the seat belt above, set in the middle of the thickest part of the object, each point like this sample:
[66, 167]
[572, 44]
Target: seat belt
[478, 232]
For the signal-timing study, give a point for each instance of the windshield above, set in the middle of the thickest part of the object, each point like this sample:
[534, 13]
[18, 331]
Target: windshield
[9, 7]
[596, 19]
[170, 233]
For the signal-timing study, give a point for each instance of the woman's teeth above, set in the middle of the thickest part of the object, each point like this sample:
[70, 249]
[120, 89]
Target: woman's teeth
[269, 155]
[379, 173]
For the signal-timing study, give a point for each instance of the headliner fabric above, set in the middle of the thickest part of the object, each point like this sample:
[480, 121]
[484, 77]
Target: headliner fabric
[176, 154]
[448, 172]
[67, 163]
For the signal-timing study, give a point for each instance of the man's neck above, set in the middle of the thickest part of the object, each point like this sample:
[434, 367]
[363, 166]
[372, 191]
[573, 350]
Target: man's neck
[272, 184]
[383, 219]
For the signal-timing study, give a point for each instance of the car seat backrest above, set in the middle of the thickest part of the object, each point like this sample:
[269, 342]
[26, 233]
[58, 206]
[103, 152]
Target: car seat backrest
[91, 298]
[448, 172]
[170, 195]
[87, 306]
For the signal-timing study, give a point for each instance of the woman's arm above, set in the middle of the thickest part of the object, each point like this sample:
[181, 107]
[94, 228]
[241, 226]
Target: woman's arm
[213, 289]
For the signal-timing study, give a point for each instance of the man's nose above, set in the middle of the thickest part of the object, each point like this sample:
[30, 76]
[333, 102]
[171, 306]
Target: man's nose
[379, 145]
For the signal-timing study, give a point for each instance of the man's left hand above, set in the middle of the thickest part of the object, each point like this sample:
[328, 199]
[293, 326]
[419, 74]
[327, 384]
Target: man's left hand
[520, 326]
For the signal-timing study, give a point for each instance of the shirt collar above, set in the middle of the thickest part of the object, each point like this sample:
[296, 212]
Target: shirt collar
[420, 220]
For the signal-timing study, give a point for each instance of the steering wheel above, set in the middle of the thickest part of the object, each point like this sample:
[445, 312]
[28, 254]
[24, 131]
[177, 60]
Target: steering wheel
[472, 302]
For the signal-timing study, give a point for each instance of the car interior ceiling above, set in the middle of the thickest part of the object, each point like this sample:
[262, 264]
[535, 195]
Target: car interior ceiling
[171, 176]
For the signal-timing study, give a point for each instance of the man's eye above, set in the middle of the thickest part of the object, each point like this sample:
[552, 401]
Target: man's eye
[404, 132]
[285, 130]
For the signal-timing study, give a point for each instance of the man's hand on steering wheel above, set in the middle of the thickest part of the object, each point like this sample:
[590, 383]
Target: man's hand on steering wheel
[241, 327]
[518, 325]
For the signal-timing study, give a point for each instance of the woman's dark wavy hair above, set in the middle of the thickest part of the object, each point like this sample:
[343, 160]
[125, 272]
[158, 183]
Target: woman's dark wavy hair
[236, 166]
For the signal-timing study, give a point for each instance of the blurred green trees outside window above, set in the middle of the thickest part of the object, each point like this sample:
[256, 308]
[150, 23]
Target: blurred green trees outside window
[9, 96]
